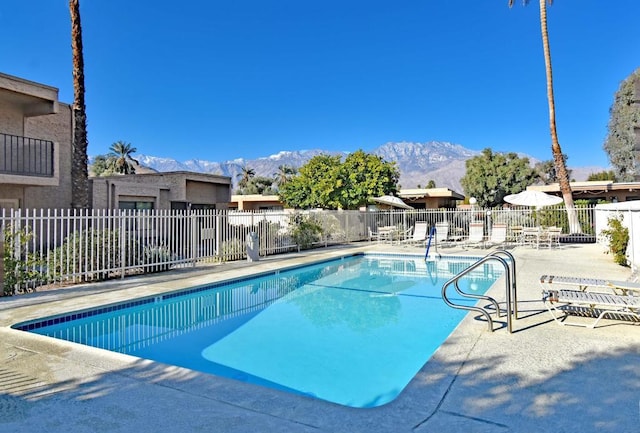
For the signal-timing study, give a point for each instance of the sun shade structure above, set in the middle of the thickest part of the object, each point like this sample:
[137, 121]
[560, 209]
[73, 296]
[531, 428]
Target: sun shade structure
[392, 201]
[533, 198]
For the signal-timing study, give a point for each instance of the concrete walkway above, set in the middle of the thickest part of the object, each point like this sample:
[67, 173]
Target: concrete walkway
[541, 378]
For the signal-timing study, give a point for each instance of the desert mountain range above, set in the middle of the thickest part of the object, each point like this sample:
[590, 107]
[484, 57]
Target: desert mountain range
[440, 161]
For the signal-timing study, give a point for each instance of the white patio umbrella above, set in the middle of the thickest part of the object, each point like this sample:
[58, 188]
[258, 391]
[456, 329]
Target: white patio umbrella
[533, 198]
[392, 201]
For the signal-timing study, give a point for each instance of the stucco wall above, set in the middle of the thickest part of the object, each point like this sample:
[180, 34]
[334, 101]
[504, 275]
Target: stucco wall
[163, 188]
[10, 119]
[202, 192]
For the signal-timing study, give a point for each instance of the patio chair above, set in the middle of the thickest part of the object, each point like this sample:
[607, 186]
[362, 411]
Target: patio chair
[625, 287]
[561, 303]
[442, 233]
[373, 236]
[550, 237]
[531, 236]
[419, 234]
[514, 235]
[498, 235]
[476, 235]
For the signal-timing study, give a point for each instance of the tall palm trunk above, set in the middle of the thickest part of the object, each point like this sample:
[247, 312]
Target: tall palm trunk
[79, 171]
[561, 169]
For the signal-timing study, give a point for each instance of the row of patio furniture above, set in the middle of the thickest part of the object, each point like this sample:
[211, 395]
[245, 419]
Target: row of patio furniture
[589, 297]
[536, 236]
[500, 234]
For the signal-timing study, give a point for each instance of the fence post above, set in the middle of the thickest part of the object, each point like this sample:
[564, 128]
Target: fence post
[194, 237]
[346, 227]
[2, 258]
[122, 214]
[217, 233]
[17, 250]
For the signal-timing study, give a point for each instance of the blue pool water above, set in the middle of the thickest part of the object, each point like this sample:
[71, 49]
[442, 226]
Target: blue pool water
[352, 331]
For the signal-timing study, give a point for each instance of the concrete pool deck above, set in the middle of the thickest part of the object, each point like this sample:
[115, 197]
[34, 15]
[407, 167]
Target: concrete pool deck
[541, 378]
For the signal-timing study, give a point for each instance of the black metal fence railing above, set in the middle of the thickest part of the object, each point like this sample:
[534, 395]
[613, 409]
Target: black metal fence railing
[26, 156]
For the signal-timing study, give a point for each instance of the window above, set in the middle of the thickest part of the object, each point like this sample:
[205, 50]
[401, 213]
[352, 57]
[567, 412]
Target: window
[196, 206]
[135, 205]
[179, 205]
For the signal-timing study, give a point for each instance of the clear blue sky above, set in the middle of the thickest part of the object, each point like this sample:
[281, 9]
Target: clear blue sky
[227, 79]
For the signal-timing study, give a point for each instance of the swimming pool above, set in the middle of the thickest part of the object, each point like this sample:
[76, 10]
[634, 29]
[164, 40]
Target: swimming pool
[353, 331]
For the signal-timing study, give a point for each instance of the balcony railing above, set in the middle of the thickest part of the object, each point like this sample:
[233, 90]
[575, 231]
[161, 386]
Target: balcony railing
[25, 156]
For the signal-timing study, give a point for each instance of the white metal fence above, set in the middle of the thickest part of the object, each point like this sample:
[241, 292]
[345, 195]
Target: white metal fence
[57, 246]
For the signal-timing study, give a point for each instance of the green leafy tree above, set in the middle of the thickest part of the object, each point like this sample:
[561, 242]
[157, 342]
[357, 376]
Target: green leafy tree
[431, 184]
[326, 182]
[120, 159]
[603, 175]
[491, 176]
[556, 150]
[547, 171]
[624, 117]
[362, 176]
[101, 166]
[258, 185]
[315, 185]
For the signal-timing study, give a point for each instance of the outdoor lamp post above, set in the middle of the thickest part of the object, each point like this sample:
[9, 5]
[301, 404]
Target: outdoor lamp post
[472, 202]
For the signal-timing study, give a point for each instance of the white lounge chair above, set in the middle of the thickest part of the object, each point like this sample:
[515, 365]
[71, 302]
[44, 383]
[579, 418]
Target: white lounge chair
[625, 287]
[498, 235]
[373, 236]
[476, 235]
[419, 233]
[587, 284]
[561, 303]
[442, 233]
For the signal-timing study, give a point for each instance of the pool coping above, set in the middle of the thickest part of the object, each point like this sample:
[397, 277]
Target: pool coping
[68, 316]
[235, 393]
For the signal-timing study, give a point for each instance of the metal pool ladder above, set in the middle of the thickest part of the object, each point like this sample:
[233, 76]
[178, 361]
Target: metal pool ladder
[510, 289]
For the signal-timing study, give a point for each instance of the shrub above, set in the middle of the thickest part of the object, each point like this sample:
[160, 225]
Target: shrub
[156, 257]
[21, 268]
[304, 230]
[618, 237]
[91, 250]
[330, 228]
[232, 249]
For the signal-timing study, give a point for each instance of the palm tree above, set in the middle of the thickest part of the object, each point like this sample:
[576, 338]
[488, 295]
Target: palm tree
[245, 176]
[79, 164]
[283, 175]
[558, 158]
[120, 159]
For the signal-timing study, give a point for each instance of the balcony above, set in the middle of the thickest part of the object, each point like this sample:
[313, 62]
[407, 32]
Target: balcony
[23, 156]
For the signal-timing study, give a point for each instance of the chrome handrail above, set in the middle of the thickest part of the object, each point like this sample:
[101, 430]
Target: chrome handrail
[510, 290]
[512, 268]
